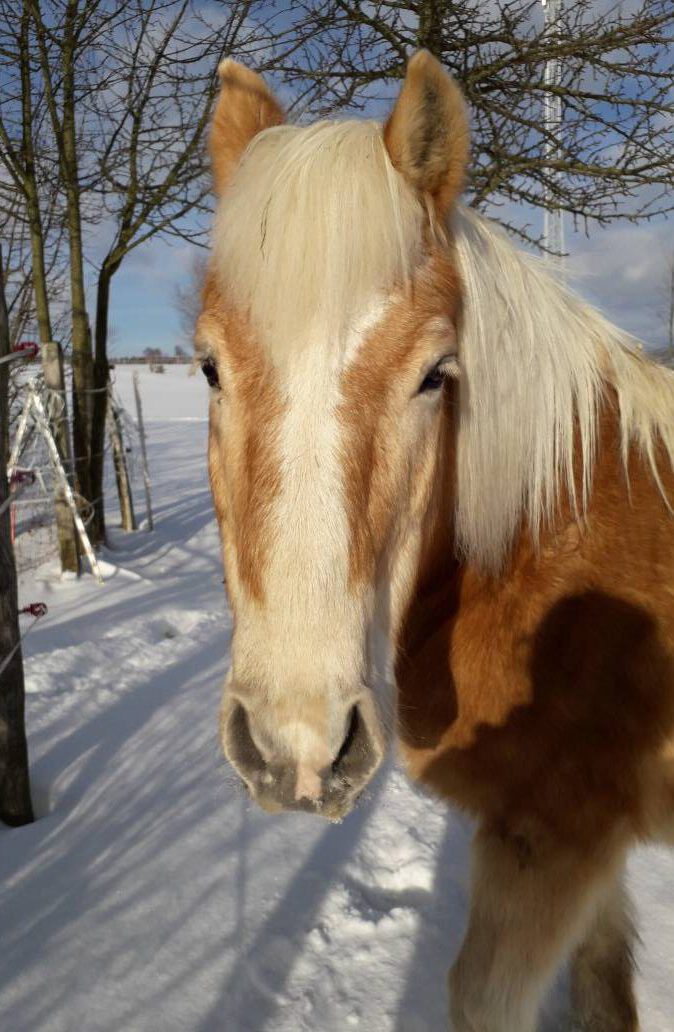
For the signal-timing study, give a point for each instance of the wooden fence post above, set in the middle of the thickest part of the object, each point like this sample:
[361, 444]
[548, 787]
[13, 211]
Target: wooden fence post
[143, 451]
[121, 468]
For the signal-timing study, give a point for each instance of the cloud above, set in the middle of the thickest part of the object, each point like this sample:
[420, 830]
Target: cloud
[624, 271]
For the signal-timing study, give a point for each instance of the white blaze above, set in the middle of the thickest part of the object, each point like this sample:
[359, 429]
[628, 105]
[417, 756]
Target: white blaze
[305, 642]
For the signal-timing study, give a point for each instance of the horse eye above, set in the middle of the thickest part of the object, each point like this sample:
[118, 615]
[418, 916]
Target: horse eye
[210, 371]
[434, 380]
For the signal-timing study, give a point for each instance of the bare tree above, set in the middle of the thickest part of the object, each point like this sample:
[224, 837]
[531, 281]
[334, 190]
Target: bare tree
[187, 298]
[122, 95]
[616, 156]
[151, 119]
[30, 212]
[64, 37]
[128, 88]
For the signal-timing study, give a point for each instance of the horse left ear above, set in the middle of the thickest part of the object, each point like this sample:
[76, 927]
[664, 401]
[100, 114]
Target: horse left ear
[244, 108]
[427, 135]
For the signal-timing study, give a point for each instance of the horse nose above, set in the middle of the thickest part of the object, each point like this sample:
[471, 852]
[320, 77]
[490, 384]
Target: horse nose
[279, 781]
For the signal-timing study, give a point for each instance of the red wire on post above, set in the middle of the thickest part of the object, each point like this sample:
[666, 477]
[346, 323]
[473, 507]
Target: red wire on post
[22, 476]
[22, 349]
[29, 348]
[36, 610]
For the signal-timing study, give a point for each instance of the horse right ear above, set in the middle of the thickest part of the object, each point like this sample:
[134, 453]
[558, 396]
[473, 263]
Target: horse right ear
[244, 108]
[427, 134]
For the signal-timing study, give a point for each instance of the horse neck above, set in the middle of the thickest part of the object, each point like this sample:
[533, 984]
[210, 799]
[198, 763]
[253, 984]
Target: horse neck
[442, 576]
[608, 544]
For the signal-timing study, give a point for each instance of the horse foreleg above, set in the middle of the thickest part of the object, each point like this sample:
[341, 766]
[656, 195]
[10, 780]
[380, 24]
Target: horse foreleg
[602, 968]
[532, 901]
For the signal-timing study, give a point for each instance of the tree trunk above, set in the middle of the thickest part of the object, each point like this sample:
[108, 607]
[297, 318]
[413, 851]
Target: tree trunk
[81, 337]
[99, 409]
[52, 365]
[30, 186]
[52, 361]
[15, 802]
[37, 256]
[81, 361]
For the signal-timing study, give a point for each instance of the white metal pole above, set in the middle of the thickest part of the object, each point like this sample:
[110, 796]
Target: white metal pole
[553, 219]
[18, 440]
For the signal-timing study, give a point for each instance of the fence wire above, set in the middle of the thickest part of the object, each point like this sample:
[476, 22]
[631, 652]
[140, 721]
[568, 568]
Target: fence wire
[32, 506]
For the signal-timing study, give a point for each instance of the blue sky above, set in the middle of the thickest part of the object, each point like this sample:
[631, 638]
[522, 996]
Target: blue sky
[143, 312]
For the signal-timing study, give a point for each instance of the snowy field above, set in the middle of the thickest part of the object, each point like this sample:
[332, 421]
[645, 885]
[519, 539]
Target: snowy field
[151, 896]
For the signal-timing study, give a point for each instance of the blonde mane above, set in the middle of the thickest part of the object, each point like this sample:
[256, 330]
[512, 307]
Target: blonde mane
[317, 223]
[536, 362]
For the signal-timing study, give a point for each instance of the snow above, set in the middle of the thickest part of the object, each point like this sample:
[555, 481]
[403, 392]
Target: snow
[179, 393]
[151, 895]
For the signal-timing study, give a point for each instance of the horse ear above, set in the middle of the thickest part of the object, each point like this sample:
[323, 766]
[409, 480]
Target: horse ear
[244, 108]
[427, 134]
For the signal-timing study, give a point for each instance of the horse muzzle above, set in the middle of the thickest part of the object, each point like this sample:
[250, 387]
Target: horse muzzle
[280, 781]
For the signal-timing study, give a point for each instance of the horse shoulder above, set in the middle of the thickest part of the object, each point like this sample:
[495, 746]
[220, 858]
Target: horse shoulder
[548, 694]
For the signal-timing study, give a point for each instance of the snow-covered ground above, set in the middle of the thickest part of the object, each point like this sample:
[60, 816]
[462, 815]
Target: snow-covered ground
[151, 895]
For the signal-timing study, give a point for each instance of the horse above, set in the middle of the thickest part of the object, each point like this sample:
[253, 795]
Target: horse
[444, 490]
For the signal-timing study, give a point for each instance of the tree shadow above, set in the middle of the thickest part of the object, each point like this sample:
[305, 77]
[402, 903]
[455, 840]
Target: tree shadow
[422, 1006]
[87, 851]
[252, 993]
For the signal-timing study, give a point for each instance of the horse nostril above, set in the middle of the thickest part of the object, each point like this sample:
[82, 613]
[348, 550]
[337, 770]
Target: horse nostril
[358, 756]
[240, 747]
[349, 738]
[283, 774]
